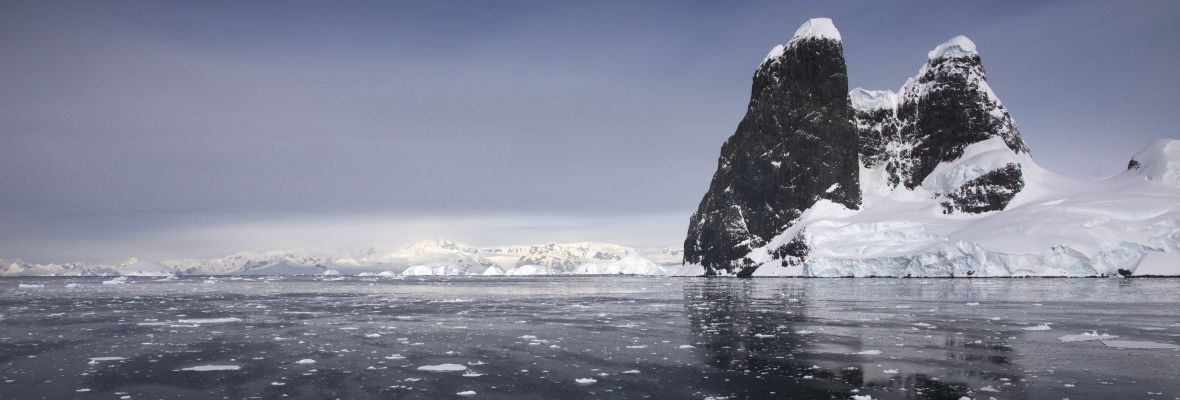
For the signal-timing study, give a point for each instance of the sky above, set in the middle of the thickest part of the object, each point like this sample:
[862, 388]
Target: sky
[163, 129]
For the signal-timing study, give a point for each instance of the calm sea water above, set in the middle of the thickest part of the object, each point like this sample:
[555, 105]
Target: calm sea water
[588, 337]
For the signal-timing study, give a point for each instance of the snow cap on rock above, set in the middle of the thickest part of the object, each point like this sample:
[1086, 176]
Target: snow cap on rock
[816, 28]
[958, 47]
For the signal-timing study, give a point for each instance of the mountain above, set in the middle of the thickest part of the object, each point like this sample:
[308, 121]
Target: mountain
[20, 267]
[279, 262]
[442, 255]
[795, 146]
[432, 257]
[946, 187]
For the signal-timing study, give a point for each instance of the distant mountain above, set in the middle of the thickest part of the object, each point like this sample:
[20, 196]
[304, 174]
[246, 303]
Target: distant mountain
[942, 183]
[433, 257]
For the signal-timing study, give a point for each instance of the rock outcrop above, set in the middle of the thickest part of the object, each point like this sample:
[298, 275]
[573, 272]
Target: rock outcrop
[796, 145]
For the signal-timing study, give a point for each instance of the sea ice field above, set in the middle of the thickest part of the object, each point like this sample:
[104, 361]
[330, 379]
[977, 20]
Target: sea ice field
[588, 337]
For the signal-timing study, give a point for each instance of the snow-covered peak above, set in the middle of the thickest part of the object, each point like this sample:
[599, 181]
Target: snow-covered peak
[1158, 162]
[958, 47]
[816, 28]
[868, 100]
[774, 53]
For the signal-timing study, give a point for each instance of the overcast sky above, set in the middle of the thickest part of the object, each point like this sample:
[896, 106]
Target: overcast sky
[167, 129]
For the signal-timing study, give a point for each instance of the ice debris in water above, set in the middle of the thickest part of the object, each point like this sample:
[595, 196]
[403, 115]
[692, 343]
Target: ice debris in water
[1087, 336]
[208, 320]
[206, 368]
[117, 281]
[585, 381]
[443, 368]
[1041, 327]
[96, 360]
[466, 393]
[1133, 344]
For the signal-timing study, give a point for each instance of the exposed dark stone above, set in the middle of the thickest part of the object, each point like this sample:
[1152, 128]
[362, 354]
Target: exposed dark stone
[1134, 164]
[800, 142]
[794, 252]
[795, 146]
[948, 108]
[989, 192]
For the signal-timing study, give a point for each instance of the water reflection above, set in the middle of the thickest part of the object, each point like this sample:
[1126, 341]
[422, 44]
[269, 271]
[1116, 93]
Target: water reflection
[800, 339]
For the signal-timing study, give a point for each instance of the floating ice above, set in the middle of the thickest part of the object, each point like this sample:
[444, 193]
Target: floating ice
[1133, 344]
[466, 393]
[305, 361]
[443, 368]
[1086, 336]
[585, 381]
[208, 320]
[206, 368]
[868, 353]
[1041, 327]
[96, 360]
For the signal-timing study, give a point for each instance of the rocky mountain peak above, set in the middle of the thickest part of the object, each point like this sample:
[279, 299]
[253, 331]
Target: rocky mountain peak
[795, 146]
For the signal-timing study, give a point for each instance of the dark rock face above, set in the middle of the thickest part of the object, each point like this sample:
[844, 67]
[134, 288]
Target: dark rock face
[989, 192]
[881, 143]
[795, 146]
[804, 137]
[948, 107]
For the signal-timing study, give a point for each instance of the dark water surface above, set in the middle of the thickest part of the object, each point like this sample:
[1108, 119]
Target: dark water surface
[588, 337]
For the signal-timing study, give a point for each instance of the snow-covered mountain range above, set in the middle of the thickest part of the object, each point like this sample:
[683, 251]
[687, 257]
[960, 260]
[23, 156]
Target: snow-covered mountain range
[434, 257]
[943, 183]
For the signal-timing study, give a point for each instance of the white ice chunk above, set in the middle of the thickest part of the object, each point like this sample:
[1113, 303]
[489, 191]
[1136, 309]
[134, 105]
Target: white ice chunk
[208, 320]
[1086, 336]
[96, 360]
[206, 368]
[1133, 344]
[1041, 327]
[443, 368]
